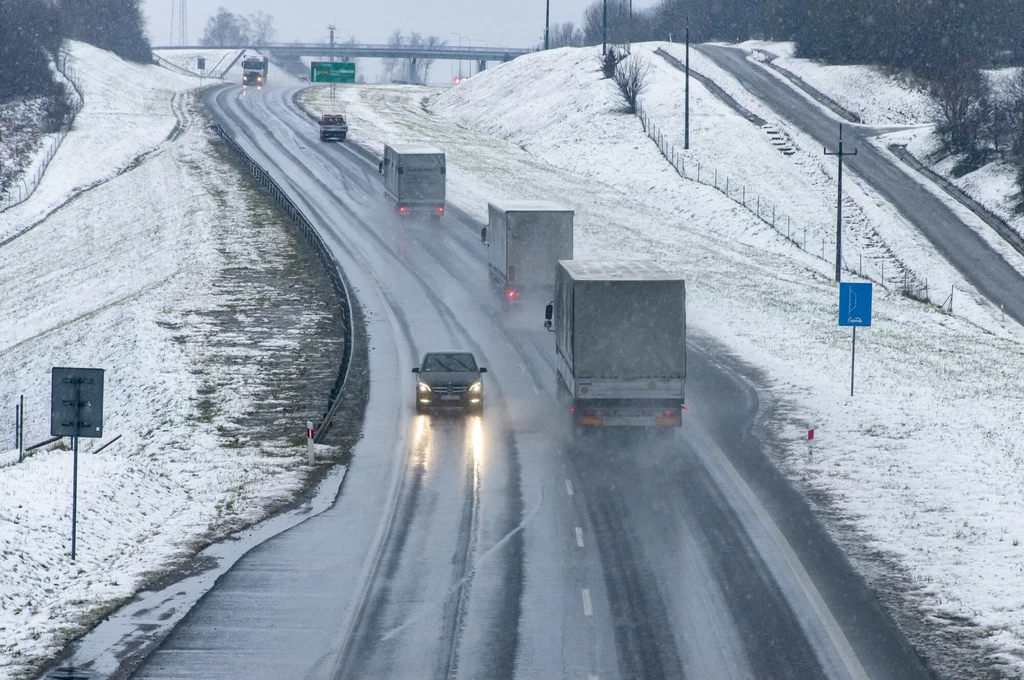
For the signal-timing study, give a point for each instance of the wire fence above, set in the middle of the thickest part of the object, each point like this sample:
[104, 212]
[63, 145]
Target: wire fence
[330, 264]
[26, 184]
[897, 279]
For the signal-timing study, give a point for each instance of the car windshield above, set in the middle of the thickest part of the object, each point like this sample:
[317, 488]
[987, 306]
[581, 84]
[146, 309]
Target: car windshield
[449, 363]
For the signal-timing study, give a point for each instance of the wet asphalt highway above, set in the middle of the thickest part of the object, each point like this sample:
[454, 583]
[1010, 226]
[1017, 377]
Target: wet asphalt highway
[497, 546]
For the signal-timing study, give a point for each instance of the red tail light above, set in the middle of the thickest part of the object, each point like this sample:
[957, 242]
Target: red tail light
[401, 208]
[572, 409]
[440, 210]
[668, 412]
[511, 293]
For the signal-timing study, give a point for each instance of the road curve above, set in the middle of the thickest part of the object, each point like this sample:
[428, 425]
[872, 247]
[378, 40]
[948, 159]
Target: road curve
[498, 547]
[960, 245]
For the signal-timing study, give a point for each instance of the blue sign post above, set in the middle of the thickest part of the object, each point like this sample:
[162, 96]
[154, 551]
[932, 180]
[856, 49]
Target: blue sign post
[854, 310]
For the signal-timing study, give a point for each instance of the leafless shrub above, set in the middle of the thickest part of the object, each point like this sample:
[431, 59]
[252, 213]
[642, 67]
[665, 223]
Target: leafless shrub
[609, 60]
[632, 75]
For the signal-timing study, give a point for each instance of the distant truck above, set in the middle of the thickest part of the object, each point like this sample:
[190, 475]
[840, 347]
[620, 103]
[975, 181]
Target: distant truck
[525, 240]
[620, 342]
[254, 71]
[414, 179]
[333, 126]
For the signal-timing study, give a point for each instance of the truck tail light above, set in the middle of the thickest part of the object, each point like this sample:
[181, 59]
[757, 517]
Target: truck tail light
[440, 210]
[668, 413]
[511, 293]
[402, 209]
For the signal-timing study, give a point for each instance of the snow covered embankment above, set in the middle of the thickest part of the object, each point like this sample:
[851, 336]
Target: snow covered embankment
[127, 113]
[183, 285]
[926, 462]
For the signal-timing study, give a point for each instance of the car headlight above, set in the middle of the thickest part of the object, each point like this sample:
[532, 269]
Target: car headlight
[476, 387]
[424, 387]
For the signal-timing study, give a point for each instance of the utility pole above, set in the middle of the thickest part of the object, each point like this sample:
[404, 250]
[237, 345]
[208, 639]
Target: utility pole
[839, 204]
[547, 23]
[331, 29]
[686, 132]
[604, 21]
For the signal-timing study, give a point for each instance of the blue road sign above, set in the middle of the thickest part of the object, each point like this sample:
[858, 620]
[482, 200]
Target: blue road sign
[854, 304]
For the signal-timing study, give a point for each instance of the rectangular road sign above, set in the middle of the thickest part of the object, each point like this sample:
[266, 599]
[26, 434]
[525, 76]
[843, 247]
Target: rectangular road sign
[76, 402]
[332, 72]
[855, 304]
[201, 63]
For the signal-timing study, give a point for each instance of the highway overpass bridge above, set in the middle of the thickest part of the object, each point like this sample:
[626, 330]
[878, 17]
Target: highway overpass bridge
[345, 51]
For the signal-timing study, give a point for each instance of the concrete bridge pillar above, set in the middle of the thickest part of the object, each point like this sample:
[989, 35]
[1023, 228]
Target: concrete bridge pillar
[482, 66]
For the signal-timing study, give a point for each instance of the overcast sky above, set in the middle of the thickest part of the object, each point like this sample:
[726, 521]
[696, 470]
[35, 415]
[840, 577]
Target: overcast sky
[511, 23]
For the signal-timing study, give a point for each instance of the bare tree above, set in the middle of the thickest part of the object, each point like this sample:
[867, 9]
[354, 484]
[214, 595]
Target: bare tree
[632, 75]
[225, 29]
[566, 35]
[261, 28]
[425, 64]
[412, 69]
[394, 40]
[965, 107]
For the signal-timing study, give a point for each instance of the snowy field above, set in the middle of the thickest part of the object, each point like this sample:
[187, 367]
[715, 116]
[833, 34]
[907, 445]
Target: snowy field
[217, 60]
[176, 279]
[923, 466]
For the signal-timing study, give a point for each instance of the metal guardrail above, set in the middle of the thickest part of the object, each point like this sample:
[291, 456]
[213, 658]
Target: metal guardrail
[313, 237]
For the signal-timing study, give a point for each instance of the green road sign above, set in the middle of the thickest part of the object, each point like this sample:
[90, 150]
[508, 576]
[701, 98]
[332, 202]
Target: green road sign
[332, 72]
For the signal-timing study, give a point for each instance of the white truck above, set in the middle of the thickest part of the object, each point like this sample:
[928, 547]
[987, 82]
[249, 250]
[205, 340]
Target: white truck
[414, 179]
[525, 240]
[620, 342]
[254, 70]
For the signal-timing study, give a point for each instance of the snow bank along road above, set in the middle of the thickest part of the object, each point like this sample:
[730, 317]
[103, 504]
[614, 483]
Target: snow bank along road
[495, 547]
[979, 264]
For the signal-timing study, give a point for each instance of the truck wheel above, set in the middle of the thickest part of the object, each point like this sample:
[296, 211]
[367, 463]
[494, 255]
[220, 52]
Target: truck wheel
[342, 138]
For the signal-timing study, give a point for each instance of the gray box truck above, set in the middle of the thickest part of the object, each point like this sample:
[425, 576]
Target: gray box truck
[620, 342]
[525, 240]
[414, 179]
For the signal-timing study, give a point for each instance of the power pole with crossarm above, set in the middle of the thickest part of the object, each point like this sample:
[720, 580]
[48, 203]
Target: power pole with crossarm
[839, 203]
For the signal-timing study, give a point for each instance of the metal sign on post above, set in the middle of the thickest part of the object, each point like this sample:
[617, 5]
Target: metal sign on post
[201, 63]
[76, 410]
[332, 72]
[855, 311]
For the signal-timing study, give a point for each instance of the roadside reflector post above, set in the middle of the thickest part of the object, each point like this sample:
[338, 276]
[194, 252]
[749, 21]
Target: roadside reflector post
[810, 434]
[309, 442]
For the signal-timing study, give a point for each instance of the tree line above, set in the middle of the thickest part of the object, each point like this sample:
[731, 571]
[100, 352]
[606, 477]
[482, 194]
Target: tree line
[32, 34]
[945, 44]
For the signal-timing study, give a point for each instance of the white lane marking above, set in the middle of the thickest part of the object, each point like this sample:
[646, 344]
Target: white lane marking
[588, 606]
[568, 487]
[593, 677]
[828, 621]
[579, 537]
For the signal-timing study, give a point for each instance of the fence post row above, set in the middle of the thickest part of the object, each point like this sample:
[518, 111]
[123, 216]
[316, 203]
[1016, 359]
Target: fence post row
[325, 257]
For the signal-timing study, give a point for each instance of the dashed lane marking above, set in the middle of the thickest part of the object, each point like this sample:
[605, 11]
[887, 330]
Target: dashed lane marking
[568, 487]
[579, 537]
[588, 606]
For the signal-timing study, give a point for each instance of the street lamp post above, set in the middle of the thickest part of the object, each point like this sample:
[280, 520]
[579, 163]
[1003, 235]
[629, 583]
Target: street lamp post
[604, 33]
[460, 61]
[547, 23]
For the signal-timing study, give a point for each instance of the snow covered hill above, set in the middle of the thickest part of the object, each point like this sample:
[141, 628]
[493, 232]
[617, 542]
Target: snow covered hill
[162, 274]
